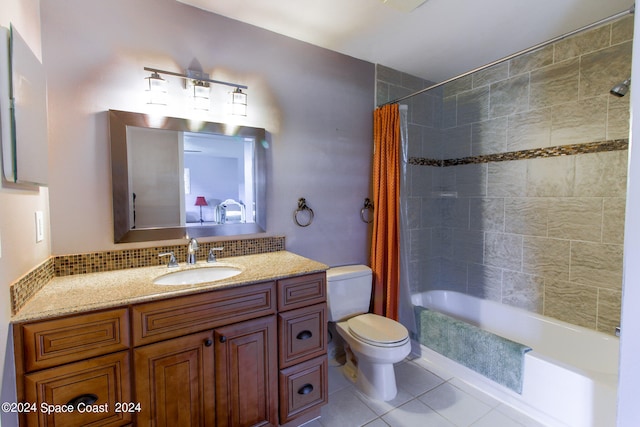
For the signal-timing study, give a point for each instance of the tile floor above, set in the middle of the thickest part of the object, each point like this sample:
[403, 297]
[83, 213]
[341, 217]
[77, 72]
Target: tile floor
[424, 399]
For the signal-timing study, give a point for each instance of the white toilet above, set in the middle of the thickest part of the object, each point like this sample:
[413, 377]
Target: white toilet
[372, 343]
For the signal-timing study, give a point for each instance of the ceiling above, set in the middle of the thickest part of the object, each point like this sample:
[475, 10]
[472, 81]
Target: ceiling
[437, 40]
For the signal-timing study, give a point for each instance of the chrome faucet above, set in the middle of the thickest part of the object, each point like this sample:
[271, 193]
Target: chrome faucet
[172, 259]
[212, 254]
[191, 251]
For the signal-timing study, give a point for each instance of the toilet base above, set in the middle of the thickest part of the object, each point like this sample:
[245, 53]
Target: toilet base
[375, 380]
[378, 381]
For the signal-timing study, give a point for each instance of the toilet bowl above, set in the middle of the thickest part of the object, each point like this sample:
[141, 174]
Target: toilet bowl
[372, 343]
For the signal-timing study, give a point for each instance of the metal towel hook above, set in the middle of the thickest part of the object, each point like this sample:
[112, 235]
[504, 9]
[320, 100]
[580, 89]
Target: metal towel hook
[305, 212]
[368, 206]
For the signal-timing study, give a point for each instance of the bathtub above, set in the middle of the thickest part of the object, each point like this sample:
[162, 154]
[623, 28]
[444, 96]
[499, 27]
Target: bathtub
[570, 376]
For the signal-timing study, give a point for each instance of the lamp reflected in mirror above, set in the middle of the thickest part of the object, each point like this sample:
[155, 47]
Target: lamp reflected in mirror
[201, 201]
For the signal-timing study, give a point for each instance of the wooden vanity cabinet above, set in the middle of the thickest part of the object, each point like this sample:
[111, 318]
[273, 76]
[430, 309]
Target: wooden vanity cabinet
[252, 355]
[302, 340]
[80, 361]
[99, 383]
[225, 375]
[62, 340]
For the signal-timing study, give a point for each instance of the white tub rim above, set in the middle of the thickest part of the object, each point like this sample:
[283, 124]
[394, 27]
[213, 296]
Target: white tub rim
[610, 376]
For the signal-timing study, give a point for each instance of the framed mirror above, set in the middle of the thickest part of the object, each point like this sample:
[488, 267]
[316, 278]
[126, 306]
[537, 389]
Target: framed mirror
[175, 177]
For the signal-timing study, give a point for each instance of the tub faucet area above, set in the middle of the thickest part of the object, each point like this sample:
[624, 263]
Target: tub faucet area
[192, 247]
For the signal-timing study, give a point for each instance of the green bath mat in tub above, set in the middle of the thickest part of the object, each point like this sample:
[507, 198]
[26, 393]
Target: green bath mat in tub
[493, 356]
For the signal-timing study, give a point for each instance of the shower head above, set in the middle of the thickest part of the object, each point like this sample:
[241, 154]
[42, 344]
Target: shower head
[621, 88]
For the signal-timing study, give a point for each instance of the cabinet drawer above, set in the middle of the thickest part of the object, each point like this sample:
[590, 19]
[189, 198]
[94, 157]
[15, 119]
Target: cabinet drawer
[302, 334]
[303, 388]
[300, 291]
[159, 320]
[54, 342]
[100, 383]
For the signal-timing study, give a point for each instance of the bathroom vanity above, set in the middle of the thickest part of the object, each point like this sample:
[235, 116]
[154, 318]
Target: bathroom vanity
[237, 352]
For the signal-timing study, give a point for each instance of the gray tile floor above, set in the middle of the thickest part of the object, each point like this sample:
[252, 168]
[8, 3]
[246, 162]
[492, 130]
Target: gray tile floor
[424, 399]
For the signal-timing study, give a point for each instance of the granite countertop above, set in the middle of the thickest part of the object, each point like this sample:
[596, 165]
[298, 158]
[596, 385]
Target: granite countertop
[92, 291]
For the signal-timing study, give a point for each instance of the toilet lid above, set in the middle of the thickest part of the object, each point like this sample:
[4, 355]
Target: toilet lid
[377, 330]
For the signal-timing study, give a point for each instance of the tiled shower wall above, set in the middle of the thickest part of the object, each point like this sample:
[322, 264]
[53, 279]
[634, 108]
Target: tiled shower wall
[544, 232]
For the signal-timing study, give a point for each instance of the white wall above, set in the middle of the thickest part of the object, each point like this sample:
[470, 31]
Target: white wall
[629, 386]
[316, 105]
[20, 252]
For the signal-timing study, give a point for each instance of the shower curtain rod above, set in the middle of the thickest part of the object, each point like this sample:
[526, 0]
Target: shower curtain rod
[631, 10]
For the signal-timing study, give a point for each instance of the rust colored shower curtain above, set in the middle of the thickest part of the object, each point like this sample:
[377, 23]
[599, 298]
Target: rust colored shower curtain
[385, 247]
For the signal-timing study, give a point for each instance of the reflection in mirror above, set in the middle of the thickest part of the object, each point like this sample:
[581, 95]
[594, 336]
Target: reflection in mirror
[174, 177]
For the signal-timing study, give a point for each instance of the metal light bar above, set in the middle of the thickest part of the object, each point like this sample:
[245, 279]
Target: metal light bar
[195, 75]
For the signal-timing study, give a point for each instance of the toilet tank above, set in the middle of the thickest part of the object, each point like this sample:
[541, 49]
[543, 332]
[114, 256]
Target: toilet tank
[348, 291]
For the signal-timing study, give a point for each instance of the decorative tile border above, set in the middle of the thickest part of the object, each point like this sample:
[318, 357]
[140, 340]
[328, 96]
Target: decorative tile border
[536, 153]
[67, 265]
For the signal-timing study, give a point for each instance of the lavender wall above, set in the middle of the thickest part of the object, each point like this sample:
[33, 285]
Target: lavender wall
[315, 104]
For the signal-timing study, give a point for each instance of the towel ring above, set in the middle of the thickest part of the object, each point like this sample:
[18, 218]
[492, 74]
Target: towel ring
[303, 210]
[368, 206]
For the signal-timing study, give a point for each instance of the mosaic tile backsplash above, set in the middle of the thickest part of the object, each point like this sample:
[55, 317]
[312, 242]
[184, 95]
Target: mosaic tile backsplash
[30, 283]
[66, 265]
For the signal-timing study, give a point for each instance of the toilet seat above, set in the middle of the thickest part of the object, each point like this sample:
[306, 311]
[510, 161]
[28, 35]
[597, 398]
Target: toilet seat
[377, 330]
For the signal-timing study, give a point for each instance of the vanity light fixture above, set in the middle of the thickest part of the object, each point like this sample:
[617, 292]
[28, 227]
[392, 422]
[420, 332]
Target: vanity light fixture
[238, 102]
[200, 95]
[156, 88]
[199, 83]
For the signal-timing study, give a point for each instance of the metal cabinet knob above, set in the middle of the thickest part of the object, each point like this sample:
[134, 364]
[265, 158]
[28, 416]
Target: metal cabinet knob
[85, 399]
[304, 335]
[305, 389]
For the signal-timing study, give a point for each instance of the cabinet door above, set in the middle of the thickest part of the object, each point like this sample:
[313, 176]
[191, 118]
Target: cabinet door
[80, 394]
[247, 374]
[174, 382]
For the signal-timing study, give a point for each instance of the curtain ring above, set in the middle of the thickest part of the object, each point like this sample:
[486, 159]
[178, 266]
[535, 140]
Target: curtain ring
[368, 206]
[303, 209]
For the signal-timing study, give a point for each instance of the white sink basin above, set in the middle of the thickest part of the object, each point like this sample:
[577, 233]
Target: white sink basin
[197, 275]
